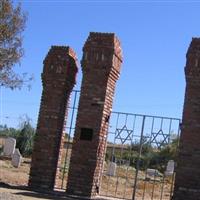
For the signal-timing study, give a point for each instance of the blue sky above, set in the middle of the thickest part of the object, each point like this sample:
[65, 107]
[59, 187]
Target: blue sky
[154, 35]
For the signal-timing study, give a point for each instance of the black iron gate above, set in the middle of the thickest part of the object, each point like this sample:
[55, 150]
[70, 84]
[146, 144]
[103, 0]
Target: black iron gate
[69, 134]
[140, 157]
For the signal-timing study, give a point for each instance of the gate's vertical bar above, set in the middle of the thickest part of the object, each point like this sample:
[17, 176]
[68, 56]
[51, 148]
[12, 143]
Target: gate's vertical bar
[177, 146]
[144, 190]
[170, 129]
[138, 160]
[123, 140]
[130, 154]
[113, 150]
[68, 139]
[152, 128]
[172, 186]
[153, 189]
[162, 187]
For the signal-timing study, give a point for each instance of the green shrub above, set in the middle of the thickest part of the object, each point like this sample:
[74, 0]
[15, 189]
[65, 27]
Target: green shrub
[24, 136]
[151, 157]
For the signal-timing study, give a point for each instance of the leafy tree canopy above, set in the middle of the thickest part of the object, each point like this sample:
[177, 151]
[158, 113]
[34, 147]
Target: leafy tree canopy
[12, 24]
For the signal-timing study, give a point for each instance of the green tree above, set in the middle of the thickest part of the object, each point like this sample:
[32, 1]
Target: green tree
[12, 24]
[151, 156]
[25, 138]
[9, 132]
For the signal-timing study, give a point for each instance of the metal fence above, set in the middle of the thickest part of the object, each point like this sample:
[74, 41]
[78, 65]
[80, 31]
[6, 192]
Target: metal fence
[140, 157]
[69, 131]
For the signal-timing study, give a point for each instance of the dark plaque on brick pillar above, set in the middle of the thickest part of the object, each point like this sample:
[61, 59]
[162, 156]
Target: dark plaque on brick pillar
[58, 79]
[102, 58]
[187, 182]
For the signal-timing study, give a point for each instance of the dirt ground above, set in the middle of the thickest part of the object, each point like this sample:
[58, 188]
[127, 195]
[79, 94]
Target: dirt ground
[14, 181]
[12, 193]
[13, 184]
[12, 175]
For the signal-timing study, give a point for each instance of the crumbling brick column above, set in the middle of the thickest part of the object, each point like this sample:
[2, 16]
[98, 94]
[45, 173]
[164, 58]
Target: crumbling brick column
[58, 79]
[102, 58]
[187, 182]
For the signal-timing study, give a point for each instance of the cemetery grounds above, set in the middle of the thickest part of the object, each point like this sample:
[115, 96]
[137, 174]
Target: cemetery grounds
[118, 186]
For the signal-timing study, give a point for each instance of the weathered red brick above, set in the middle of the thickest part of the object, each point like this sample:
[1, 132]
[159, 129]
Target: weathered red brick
[58, 79]
[187, 184]
[101, 62]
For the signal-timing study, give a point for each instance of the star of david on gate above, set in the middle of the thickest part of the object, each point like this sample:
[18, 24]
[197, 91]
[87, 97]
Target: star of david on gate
[159, 135]
[119, 131]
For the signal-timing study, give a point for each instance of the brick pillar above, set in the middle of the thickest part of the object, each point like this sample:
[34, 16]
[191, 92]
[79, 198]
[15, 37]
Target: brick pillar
[187, 183]
[101, 63]
[58, 79]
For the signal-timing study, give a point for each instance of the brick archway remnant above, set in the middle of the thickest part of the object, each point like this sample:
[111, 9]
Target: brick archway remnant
[187, 181]
[58, 78]
[101, 63]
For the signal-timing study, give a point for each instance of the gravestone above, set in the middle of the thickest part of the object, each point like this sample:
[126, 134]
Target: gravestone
[111, 169]
[152, 172]
[9, 146]
[16, 158]
[170, 168]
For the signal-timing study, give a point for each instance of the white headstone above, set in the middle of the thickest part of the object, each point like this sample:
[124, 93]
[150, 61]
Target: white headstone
[152, 172]
[16, 158]
[170, 168]
[111, 169]
[9, 146]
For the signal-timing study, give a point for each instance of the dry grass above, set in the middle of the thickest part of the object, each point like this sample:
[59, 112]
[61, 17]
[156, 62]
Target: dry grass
[120, 186]
[12, 175]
